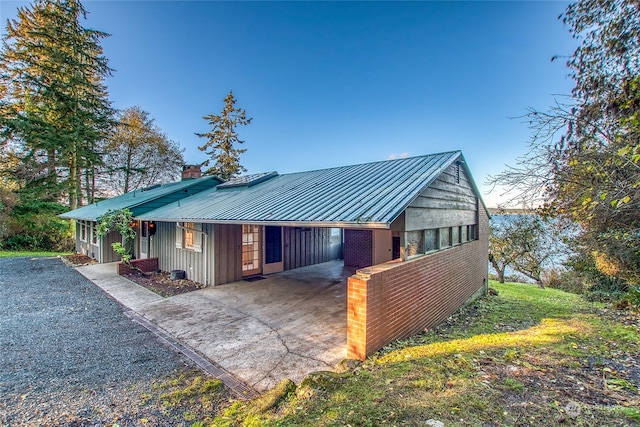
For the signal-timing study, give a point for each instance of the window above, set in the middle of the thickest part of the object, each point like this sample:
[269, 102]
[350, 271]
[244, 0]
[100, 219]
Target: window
[472, 232]
[431, 240]
[94, 233]
[83, 231]
[445, 237]
[415, 243]
[189, 238]
[434, 239]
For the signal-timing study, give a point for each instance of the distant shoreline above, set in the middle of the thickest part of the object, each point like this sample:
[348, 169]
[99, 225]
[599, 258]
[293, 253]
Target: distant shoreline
[510, 211]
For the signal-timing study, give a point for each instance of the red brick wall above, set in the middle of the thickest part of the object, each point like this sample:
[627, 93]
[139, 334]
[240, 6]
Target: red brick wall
[146, 265]
[397, 299]
[358, 248]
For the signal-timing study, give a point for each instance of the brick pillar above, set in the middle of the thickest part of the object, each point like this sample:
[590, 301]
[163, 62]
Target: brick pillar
[356, 318]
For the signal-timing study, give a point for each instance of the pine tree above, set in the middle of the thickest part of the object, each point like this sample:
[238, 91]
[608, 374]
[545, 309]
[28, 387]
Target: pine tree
[223, 138]
[55, 107]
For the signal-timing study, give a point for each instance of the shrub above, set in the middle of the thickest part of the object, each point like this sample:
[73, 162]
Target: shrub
[34, 225]
[565, 280]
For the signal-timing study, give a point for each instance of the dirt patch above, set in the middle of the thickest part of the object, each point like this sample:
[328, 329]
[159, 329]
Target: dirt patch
[161, 283]
[77, 260]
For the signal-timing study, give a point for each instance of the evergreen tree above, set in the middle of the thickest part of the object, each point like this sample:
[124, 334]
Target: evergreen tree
[222, 140]
[55, 108]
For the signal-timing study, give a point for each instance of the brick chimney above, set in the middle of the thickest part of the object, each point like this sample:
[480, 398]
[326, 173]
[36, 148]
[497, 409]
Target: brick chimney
[191, 171]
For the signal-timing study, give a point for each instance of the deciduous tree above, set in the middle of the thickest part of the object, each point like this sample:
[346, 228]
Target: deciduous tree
[584, 157]
[223, 139]
[527, 243]
[138, 154]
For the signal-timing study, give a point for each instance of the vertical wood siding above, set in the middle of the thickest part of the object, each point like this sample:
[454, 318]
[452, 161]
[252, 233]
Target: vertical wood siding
[306, 246]
[106, 253]
[163, 246]
[227, 249]
[102, 252]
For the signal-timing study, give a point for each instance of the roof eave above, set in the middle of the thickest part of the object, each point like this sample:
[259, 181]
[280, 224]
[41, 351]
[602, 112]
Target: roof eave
[282, 223]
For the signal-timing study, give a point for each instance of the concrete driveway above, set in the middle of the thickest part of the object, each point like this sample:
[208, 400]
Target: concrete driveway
[284, 326]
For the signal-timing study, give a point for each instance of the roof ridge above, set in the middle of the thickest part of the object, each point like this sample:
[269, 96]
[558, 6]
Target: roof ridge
[373, 162]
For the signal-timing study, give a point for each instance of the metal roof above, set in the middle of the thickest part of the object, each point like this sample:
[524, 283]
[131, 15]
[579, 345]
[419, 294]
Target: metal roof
[138, 200]
[370, 195]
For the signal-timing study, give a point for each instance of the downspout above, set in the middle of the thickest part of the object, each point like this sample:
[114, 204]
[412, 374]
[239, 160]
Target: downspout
[204, 252]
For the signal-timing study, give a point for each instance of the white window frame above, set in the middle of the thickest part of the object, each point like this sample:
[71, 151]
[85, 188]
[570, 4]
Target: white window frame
[94, 233]
[185, 229]
[83, 231]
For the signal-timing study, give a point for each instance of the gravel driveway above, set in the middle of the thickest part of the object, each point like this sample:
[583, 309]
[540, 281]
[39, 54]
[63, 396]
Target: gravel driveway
[68, 356]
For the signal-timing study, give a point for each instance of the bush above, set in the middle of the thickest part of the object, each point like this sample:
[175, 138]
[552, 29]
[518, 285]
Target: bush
[606, 289]
[632, 297]
[565, 280]
[34, 226]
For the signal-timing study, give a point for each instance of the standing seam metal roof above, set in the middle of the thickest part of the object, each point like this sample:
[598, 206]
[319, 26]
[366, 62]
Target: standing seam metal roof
[365, 195]
[134, 198]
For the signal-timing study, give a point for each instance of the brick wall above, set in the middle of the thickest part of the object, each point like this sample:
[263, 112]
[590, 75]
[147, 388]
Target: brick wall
[146, 265]
[358, 248]
[394, 300]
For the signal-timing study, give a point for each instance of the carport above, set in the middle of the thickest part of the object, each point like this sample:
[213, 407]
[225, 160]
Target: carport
[285, 325]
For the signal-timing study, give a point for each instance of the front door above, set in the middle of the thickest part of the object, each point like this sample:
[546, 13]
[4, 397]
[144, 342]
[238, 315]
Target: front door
[144, 239]
[273, 250]
[250, 250]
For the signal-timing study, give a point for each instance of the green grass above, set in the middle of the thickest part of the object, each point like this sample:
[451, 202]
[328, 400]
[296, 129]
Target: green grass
[33, 254]
[514, 359]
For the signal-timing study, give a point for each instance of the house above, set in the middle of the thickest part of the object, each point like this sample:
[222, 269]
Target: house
[416, 228]
[138, 201]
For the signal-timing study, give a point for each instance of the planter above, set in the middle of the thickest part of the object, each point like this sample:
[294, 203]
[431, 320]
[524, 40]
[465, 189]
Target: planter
[146, 265]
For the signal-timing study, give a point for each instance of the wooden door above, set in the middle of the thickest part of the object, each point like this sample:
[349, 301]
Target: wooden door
[250, 250]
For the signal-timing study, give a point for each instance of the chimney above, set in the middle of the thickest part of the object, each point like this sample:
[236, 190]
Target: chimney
[191, 171]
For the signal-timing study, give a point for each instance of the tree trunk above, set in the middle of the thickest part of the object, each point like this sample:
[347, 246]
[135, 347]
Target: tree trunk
[73, 161]
[127, 171]
[497, 268]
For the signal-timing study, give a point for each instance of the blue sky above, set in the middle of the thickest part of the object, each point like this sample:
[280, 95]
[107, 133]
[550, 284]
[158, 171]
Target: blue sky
[336, 83]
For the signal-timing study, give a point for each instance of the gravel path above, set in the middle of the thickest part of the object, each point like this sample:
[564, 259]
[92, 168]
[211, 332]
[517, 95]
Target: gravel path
[68, 356]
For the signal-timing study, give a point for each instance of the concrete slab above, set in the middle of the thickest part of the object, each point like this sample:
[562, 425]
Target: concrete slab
[284, 326]
[129, 294]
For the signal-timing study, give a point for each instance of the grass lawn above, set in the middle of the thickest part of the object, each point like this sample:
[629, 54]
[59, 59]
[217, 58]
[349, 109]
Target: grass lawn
[11, 254]
[524, 357]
